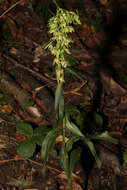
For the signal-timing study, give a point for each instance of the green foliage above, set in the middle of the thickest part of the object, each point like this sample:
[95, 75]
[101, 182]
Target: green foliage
[35, 137]
[97, 23]
[28, 103]
[123, 78]
[47, 145]
[105, 137]
[27, 148]
[59, 27]
[1, 95]
[98, 119]
[59, 101]
[125, 156]
[24, 128]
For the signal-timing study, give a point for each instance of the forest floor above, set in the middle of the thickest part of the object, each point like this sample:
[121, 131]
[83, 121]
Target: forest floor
[28, 83]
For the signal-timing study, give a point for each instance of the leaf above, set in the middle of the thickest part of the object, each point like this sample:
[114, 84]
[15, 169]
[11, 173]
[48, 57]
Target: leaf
[73, 128]
[24, 128]
[98, 119]
[70, 142]
[73, 72]
[48, 143]
[81, 118]
[38, 139]
[41, 130]
[1, 95]
[72, 61]
[40, 133]
[74, 156]
[106, 137]
[125, 156]
[59, 101]
[71, 110]
[11, 118]
[93, 151]
[64, 161]
[26, 149]
[28, 103]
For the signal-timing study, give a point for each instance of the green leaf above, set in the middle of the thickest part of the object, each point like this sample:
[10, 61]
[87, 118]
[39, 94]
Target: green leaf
[74, 156]
[40, 133]
[73, 72]
[11, 118]
[26, 149]
[125, 156]
[81, 118]
[64, 160]
[98, 119]
[38, 139]
[28, 103]
[59, 101]
[93, 151]
[123, 77]
[71, 110]
[106, 137]
[1, 95]
[73, 128]
[72, 61]
[48, 143]
[41, 130]
[24, 128]
[70, 142]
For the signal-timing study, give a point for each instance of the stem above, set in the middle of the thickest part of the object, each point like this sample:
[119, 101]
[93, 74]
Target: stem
[64, 130]
[54, 1]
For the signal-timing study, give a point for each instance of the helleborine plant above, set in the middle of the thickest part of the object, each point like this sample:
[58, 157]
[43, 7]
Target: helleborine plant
[59, 27]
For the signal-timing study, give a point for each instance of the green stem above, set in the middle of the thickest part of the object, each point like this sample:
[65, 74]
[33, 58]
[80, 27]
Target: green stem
[64, 130]
[54, 1]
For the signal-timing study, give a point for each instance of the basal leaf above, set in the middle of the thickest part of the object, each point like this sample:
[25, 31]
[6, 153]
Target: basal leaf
[40, 133]
[125, 156]
[71, 110]
[98, 119]
[41, 130]
[73, 72]
[64, 160]
[74, 156]
[48, 143]
[71, 141]
[93, 151]
[1, 95]
[38, 139]
[81, 118]
[73, 128]
[24, 128]
[26, 149]
[106, 137]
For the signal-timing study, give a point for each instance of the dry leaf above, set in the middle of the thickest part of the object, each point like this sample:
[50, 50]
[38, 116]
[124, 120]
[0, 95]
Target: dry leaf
[6, 109]
[59, 139]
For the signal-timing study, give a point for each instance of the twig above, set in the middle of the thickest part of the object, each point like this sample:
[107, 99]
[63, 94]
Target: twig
[32, 161]
[10, 8]
[41, 77]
